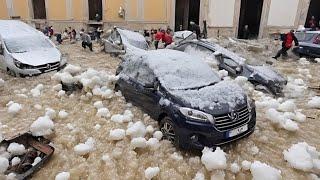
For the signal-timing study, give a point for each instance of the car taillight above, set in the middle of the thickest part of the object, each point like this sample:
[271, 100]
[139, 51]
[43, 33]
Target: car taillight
[317, 40]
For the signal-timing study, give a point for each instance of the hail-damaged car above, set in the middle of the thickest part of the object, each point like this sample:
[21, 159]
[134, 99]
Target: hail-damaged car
[263, 77]
[193, 106]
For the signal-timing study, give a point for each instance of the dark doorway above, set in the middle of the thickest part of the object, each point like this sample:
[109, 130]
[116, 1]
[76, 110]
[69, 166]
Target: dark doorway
[313, 11]
[95, 7]
[250, 14]
[39, 9]
[186, 11]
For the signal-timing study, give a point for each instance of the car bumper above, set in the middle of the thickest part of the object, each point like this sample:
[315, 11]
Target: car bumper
[37, 71]
[193, 135]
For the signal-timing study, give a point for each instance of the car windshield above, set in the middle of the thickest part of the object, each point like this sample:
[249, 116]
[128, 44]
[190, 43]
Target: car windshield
[179, 71]
[25, 44]
[303, 37]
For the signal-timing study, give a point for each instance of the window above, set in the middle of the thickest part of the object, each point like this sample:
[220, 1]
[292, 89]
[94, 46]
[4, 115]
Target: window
[145, 75]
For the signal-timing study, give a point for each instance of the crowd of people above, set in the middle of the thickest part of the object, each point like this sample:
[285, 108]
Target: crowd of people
[156, 36]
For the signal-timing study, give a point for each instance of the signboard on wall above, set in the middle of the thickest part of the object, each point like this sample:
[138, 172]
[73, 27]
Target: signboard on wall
[283, 12]
[221, 13]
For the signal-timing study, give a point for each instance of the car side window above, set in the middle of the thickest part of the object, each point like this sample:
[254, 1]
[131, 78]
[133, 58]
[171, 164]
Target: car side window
[130, 68]
[145, 75]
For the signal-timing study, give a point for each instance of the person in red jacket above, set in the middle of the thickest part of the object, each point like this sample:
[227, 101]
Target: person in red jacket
[287, 44]
[167, 38]
[158, 37]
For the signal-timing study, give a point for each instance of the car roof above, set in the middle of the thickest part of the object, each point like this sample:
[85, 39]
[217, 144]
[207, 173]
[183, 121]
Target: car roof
[15, 28]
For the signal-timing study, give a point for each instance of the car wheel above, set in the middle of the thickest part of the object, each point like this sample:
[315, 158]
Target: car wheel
[168, 130]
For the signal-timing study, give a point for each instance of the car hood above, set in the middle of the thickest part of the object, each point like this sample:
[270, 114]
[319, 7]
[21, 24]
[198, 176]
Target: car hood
[217, 99]
[267, 73]
[38, 57]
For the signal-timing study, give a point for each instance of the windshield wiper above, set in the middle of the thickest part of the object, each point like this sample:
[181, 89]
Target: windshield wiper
[20, 52]
[199, 87]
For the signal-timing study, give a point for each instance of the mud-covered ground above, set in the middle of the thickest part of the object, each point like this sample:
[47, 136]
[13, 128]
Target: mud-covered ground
[127, 163]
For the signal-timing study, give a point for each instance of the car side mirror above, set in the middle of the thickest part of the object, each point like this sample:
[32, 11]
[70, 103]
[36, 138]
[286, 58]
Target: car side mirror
[152, 86]
[1, 49]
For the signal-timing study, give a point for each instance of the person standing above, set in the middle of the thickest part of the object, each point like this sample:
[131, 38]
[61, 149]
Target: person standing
[312, 23]
[86, 40]
[167, 38]
[287, 43]
[158, 37]
[246, 32]
[195, 28]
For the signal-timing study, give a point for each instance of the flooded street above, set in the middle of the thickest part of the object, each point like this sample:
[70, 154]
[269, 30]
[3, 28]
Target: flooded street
[124, 162]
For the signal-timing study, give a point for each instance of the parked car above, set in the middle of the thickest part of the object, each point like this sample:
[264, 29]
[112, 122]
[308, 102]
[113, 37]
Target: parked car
[309, 44]
[26, 51]
[121, 40]
[263, 77]
[193, 107]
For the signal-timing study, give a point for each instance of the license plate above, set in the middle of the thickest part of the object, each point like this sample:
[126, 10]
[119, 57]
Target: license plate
[237, 131]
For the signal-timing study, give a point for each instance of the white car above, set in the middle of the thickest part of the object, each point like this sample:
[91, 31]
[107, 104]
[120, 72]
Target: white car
[25, 51]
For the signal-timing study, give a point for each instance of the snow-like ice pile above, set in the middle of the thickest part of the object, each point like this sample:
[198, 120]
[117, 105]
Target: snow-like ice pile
[304, 61]
[246, 165]
[36, 92]
[221, 94]
[85, 148]
[13, 108]
[139, 142]
[72, 69]
[42, 126]
[16, 149]
[153, 143]
[63, 114]
[63, 176]
[262, 171]
[151, 172]
[314, 102]
[15, 161]
[158, 135]
[121, 118]
[96, 82]
[199, 176]
[285, 114]
[302, 156]
[205, 56]
[103, 113]
[235, 168]
[214, 160]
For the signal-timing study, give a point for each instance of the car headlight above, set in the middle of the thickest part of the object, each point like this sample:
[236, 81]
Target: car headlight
[17, 63]
[197, 115]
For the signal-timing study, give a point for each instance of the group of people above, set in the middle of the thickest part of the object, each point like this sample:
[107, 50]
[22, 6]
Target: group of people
[159, 35]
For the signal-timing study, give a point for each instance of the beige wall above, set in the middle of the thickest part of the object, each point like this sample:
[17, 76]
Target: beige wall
[78, 10]
[132, 10]
[155, 10]
[111, 10]
[3, 10]
[21, 8]
[57, 10]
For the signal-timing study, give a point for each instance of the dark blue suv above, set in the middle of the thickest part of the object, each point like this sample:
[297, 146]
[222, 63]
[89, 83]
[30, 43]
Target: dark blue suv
[194, 108]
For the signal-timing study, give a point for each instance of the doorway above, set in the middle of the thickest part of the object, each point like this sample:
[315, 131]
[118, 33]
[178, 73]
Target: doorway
[313, 11]
[95, 7]
[250, 15]
[39, 9]
[185, 12]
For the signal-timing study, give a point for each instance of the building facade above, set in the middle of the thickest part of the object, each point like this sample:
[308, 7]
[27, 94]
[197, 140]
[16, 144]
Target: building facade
[223, 17]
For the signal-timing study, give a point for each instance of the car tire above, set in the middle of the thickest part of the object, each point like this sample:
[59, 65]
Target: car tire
[168, 129]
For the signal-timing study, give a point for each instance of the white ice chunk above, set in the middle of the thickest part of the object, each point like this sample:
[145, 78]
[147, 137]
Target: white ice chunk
[138, 142]
[301, 155]
[14, 108]
[199, 176]
[36, 161]
[50, 113]
[4, 164]
[63, 176]
[98, 104]
[15, 161]
[151, 172]
[245, 165]
[158, 135]
[16, 149]
[85, 148]
[314, 102]
[214, 160]
[42, 126]
[63, 114]
[117, 134]
[287, 106]
[235, 168]
[262, 171]
[72, 69]
[153, 143]
[103, 113]
[137, 129]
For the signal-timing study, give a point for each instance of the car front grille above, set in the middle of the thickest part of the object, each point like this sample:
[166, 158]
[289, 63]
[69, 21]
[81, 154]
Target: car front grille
[225, 122]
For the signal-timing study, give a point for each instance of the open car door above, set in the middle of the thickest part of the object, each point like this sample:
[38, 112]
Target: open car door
[113, 45]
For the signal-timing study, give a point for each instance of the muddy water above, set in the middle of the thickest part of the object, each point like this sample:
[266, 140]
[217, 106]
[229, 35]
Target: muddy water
[130, 164]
